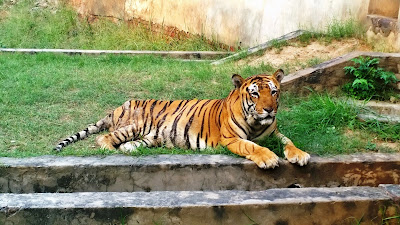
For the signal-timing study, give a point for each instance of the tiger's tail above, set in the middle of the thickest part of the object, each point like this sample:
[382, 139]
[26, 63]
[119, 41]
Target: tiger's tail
[100, 125]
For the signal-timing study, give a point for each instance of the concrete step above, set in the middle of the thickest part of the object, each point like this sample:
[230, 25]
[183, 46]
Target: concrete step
[208, 55]
[119, 173]
[348, 205]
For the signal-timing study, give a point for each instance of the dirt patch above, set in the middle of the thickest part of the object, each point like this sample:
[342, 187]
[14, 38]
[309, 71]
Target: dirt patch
[297, 55]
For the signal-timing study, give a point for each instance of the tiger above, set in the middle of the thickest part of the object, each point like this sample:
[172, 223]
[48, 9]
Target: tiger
[246, 115]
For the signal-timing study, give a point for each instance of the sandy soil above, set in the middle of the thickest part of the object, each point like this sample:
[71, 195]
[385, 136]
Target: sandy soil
[296, 56]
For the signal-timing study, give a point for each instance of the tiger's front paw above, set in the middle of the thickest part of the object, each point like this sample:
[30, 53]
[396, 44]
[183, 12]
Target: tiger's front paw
[295, 155]
[264, 158]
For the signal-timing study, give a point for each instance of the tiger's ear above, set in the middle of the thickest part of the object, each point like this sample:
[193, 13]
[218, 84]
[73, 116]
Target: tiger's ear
[278, 75]
[237, 80]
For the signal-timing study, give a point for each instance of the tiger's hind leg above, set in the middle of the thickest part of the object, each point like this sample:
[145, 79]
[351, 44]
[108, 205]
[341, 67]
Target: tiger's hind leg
[117, 137]
[131, 146]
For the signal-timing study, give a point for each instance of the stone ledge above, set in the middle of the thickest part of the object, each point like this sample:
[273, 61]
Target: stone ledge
[274, 206]
[172, 54]
[190, 173]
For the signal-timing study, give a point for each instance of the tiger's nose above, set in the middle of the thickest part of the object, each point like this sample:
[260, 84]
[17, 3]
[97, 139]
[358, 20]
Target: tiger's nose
[269, 110]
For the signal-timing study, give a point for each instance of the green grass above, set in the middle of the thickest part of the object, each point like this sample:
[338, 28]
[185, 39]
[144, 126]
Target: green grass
[47, 97]
[28, 26]
[335, 30]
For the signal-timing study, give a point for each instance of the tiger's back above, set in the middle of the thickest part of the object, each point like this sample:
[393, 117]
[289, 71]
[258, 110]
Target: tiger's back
[192, 124]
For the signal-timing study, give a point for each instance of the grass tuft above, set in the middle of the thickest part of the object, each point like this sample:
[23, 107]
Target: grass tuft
[335, 30]
[349, 28]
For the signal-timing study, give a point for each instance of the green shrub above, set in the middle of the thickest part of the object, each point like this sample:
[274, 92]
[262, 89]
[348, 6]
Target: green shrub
[370, 81]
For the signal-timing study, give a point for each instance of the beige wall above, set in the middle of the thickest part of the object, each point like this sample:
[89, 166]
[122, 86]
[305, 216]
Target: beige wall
[248, 22]
[389, 8]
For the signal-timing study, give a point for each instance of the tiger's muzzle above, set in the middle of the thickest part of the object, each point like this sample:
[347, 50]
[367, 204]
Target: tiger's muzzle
[267, 117]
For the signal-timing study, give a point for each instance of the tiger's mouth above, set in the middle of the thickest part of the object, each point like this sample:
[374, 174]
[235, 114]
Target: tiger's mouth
[265, 120]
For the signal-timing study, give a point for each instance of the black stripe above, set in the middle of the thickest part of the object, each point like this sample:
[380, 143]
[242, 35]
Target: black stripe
[256, 78]
[144, 126]
[159, 124]
[153, 105]
[238, 125]
[233, 131]
[145, 141]
[202, 123]
[162, 110]
[144, 109]
[120, 141]
[173, 130]
[217, 118]
[209, 115]
[236, 99]
[232, 142]
[226, 137]
[204, 104]
[123, 111]
[179, 106]
[194, 105]
[151, 114]
[125, 137]
[198, 141]
[187, 127]
[244, 111]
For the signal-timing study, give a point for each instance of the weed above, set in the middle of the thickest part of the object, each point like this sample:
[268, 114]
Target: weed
[314, 61]
[349, 28]
[335, 30]
[253, 222]
[370, 81]
[279, 44]
[309, 36]
[371, 146]
[390, 215]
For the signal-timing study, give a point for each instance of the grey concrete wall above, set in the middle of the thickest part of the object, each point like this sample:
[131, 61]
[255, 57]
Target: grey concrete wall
[275, 206]
[189, 173]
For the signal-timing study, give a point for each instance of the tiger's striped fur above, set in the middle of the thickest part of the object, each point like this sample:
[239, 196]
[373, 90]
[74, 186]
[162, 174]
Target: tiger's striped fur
[247, 114]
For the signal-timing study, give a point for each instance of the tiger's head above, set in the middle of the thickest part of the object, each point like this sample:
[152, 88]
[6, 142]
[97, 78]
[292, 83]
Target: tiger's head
[259, 96]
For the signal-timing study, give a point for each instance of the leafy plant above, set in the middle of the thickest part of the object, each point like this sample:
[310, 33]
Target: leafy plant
[370, 81]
